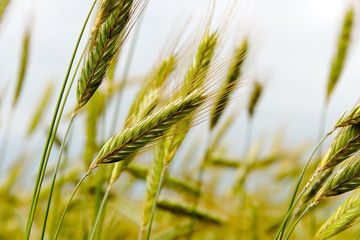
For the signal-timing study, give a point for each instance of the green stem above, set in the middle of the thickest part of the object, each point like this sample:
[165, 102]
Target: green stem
[101, 209]
[198, 188]
[57, 194]
[297, 221]
[54, 177]
[62, 144]
[291, 205]
[68, 204]
[51, 137]
[162, 177]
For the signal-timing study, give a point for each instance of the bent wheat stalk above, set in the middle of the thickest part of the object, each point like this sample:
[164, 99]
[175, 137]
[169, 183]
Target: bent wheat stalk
[51, 135]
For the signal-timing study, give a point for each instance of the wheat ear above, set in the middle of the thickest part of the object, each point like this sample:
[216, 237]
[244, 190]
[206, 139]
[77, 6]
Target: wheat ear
[351, 118]
[342, 47]
[145, 102]
[23, 64]
[345, 180]
[197, 72]
[345, 144]
[229, 85]
[106, 9]
[107, 42]
[128, 142]
[346, 216]
[256, 93]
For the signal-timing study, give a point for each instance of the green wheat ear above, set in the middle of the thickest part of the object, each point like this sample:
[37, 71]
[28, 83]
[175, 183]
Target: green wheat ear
[254, 98]
[106, 44]
[145, 102]
[196, 74]
[346, 216]
[342, 47]
[345, 144]
[345, 180]
[131, 140]
[23, 64]
[229, 84]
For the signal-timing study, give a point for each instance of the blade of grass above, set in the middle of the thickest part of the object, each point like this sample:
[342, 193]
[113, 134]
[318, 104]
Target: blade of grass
[51, 136]
[293, 202]
[68, 204]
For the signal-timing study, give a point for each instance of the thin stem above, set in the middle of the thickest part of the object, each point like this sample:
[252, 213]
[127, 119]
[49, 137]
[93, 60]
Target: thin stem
[198, 187]
[54, 177]
[57, 194]
[62, 144]
[101, 209]
[162, 177]
[68, 204]
[51, 137]
[297, 221]
[291, 205]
